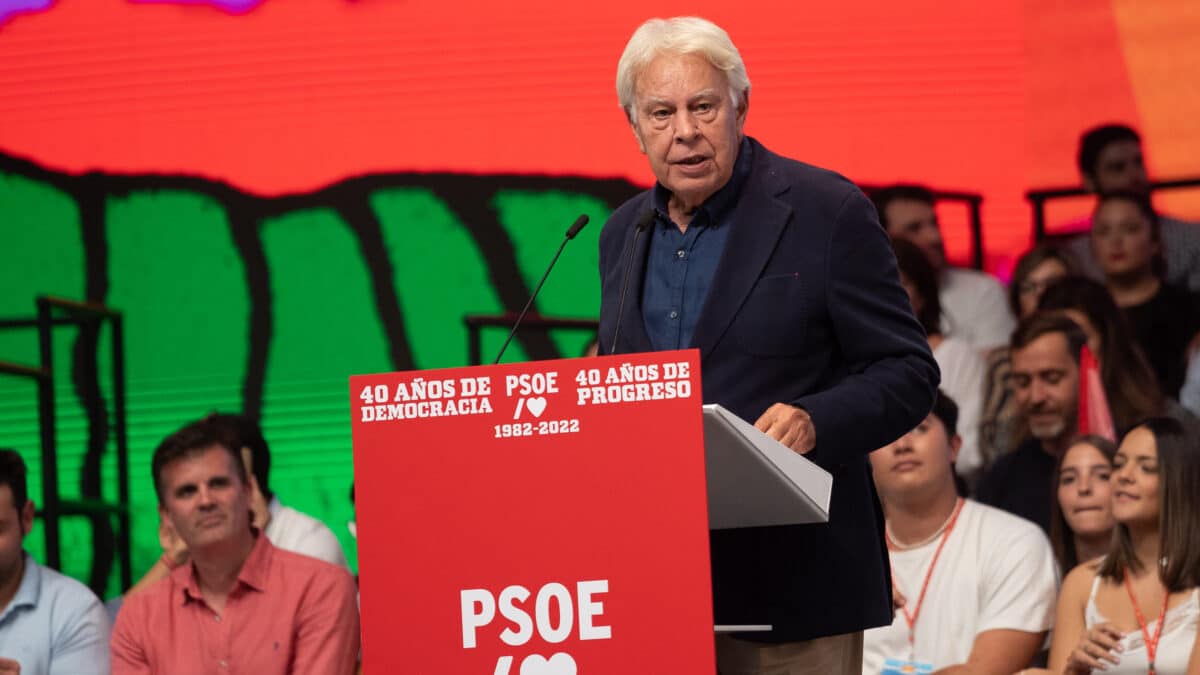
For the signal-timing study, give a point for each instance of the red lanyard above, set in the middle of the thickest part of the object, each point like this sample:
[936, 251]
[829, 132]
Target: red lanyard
[1151, 644]
[911, 619]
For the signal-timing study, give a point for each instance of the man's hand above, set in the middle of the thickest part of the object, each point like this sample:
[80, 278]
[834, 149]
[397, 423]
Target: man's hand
[9, 667]
[790, 426]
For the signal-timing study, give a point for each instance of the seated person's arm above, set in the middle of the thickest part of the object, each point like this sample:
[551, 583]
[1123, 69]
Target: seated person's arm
[998, 652]
[80, 645]
[327, 628]
[1069, 625]
[1019, 583]
[174, 552]
[127, 650]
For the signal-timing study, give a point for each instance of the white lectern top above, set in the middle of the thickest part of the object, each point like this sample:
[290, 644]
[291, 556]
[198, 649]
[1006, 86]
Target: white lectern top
[755, 481]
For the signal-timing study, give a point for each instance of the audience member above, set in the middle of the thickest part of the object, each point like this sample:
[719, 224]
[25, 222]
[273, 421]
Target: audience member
[1081, 523]
[287, 528]
[241, 604]
[1129, 383]
[1189, 394]
[973, 305]
[1136, 610]
[1165, 318]
[999, 424]
[1035, 271]
[960, 363]
[1110, 160]
[1045, 380]
[979, 583]
[49, 623]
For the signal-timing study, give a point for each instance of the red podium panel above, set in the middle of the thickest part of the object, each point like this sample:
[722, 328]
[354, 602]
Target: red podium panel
[544, 518]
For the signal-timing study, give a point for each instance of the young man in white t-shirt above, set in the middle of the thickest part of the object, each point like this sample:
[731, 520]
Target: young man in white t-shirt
[977, 584]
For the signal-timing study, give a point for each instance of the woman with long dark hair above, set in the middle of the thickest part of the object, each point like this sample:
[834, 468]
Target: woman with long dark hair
[1127, 244]
[1132, 388]
[1036, 270]
[1081, 520]
[1137, 609]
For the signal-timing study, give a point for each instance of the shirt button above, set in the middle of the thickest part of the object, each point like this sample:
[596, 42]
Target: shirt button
[674, 314]
[681, 254]
[217, 618]
[224, 663]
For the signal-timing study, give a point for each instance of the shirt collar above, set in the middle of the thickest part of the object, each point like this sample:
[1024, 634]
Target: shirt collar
[722, 201]
[29, 591]
[253, 574]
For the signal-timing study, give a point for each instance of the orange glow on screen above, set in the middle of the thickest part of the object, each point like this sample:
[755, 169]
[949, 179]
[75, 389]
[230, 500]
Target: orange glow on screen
[289, 96]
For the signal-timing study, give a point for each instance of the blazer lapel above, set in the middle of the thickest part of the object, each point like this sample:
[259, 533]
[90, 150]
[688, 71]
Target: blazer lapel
[633, 325]
[759, 220]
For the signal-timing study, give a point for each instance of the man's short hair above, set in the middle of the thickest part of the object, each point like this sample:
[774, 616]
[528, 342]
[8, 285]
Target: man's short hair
[243, 432]
[679, 35]
[946, 410]
[1044, 323]
[1094, 140]
[908, 192]
[191, 440]
[12, 474]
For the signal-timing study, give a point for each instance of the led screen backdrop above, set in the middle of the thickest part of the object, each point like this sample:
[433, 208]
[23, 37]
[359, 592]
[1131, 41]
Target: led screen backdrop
[281, 193]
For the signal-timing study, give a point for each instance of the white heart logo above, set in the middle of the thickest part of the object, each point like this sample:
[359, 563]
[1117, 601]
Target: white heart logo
[537, 405]
[559, 664]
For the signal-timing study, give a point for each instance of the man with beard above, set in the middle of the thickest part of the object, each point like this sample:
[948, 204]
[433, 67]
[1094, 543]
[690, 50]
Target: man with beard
[1045, 383]
[49, 623]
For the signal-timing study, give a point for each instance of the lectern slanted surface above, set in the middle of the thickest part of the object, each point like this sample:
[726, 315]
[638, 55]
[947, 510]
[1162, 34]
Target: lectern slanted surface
[755, 481]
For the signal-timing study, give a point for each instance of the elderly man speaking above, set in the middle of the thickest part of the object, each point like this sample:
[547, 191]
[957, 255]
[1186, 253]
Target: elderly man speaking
[780, 274]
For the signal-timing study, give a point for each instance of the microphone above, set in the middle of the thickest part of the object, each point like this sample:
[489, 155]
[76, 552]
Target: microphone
[571, 232]
[643, 222]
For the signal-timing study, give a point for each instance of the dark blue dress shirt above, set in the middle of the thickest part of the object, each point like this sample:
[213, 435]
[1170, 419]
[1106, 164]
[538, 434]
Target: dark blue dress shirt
[680, 265]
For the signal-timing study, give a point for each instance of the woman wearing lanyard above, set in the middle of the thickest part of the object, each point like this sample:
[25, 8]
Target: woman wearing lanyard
[1136, 610]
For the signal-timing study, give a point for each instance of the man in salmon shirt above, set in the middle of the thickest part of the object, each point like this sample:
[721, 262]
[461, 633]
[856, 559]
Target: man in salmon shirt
[240, 605]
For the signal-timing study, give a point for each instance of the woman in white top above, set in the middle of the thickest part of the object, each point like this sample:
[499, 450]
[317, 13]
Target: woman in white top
[1136, 610]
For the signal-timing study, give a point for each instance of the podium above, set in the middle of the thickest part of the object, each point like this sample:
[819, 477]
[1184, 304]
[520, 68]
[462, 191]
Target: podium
[552, 518]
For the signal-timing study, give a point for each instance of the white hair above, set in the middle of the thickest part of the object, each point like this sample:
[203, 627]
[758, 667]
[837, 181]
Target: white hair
[679, 35]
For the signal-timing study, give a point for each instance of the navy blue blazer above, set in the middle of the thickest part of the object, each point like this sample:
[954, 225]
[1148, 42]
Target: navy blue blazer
[805, 308]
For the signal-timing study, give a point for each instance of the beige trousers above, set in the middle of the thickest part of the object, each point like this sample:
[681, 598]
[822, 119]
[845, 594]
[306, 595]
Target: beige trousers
[833, 655]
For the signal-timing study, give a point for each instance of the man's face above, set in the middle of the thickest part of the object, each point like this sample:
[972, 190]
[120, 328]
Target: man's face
[1045, 382]
[14, 525]
[1120, 166]
[205, 499]
[916, 222]
[687, 125]
[918, 463]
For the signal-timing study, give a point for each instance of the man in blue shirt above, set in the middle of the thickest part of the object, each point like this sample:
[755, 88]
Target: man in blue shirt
[781, 275]
[49, 624]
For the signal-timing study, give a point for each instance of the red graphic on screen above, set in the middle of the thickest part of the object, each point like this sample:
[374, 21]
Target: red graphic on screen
[292, 96]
